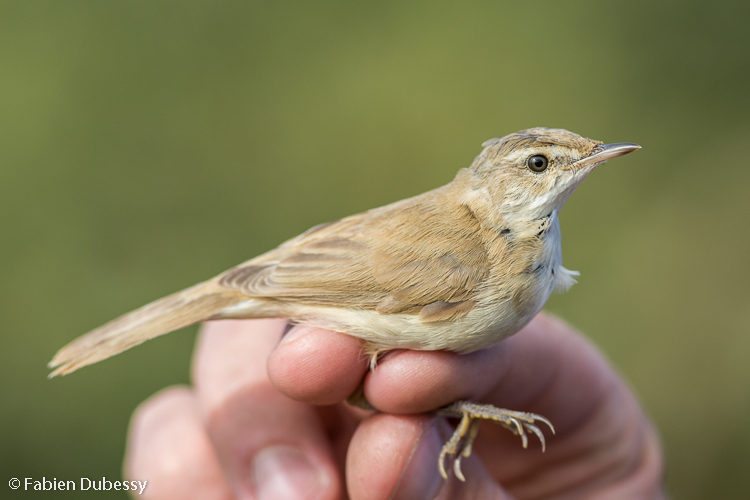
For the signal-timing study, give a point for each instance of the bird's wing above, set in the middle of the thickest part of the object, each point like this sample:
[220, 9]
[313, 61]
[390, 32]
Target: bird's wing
[410, 257]
[423, 257]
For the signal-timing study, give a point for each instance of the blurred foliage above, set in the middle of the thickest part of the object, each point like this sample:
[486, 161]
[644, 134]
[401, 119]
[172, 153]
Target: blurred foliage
[147, 145]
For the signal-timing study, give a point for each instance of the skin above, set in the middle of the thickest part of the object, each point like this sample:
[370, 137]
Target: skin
[265, 419]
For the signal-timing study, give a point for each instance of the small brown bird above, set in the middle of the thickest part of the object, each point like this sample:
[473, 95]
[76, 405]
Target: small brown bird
[458, 268]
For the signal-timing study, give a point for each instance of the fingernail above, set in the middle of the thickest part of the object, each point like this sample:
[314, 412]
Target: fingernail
[283, 472]
[421, 478]
[390, 354]
[294, 332]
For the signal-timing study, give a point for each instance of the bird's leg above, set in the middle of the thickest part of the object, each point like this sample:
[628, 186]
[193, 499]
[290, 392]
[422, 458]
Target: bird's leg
[358, 398]
[471, 414]
[459, 445]
[465, 450]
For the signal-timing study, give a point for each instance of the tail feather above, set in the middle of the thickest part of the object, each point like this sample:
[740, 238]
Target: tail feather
[175, 311]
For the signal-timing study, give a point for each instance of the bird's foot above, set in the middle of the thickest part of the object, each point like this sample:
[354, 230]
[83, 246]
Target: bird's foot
[459, 445]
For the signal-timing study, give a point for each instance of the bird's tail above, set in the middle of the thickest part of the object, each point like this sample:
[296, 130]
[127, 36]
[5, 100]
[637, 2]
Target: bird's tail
[184, 308]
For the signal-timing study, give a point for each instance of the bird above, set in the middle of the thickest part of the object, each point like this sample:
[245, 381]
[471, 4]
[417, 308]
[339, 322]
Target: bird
[458, 268]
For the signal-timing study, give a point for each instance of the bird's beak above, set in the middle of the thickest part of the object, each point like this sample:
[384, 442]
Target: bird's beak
[606, 152]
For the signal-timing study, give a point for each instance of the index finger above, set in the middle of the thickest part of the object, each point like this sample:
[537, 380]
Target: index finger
[603, 437]
[546, 368]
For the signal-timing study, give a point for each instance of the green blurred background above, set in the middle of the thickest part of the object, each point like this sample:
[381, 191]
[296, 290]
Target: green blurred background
[148, 145]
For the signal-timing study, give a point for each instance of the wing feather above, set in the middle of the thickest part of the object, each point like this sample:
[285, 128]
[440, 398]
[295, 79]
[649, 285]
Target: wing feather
[375, 261]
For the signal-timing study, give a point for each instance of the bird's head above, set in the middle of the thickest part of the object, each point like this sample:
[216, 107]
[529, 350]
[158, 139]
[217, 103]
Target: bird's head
[531, 173]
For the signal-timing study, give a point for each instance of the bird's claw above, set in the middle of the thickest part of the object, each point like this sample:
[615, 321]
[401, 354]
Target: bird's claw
[460, 443]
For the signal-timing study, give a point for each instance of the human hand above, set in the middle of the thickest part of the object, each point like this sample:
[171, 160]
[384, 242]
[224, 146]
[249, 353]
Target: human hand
[248, 427]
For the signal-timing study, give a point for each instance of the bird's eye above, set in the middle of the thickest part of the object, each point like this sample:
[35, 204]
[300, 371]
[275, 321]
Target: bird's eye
[537, 163]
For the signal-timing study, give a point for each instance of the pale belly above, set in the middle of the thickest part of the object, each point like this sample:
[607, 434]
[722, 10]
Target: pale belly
[488, 323]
